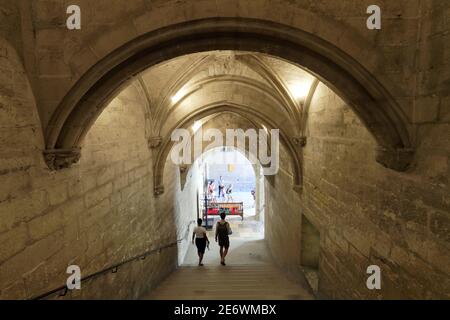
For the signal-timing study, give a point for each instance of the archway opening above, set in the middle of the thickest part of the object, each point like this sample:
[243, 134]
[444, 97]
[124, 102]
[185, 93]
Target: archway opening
[364, 94]
[227, 181]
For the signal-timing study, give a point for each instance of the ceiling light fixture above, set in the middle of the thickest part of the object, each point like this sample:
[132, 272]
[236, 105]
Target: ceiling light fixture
[300, 90]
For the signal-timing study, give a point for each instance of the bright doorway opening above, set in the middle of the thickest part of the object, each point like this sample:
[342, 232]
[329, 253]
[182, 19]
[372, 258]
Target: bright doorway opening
[228, 182]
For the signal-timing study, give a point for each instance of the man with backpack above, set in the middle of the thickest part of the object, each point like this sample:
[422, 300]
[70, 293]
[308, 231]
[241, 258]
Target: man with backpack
[223, 230]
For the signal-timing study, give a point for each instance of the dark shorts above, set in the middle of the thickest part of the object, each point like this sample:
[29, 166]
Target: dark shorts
[224, 242]
[201, 244]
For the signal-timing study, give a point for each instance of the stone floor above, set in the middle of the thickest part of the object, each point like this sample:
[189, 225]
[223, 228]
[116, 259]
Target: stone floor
[249, 274]
[246, 245]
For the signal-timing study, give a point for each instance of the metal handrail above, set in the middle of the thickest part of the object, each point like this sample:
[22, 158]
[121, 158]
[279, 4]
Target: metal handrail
[115, 267]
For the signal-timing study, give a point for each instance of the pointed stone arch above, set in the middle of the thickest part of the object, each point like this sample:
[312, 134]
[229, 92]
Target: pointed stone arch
[364, 94]
[279, 107]
[252, 117]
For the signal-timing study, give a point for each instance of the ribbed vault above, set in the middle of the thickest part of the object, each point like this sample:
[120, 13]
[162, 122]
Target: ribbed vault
[199, 87]
[373, 104]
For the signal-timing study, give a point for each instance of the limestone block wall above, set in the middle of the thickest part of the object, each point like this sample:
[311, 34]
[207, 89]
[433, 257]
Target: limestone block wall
[432, 81]
[368, 215]
[94, 215]
[10, 24]
[186, 212]
[61, 57]
[310, 250]
[365, 214]
[179, 201]
[283, 217]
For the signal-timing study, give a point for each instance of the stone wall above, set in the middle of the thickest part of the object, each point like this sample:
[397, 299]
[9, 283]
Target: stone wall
[368, 215]
[365, 214]
[103, 211]
[177, 204]
[310, 250]
[96, 214]
[283, 216]
[432, 80]
[62, 56]
[10, 24]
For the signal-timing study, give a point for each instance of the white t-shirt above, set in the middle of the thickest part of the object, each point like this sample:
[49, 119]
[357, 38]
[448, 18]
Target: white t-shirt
[199, 232]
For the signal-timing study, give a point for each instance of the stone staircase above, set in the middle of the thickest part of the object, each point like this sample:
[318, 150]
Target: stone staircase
[234, 282]
[250, 273]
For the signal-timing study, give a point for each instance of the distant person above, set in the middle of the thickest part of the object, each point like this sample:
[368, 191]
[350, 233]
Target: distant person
[229, 193]
[211, 189]
[254, 197]
[221, 188]
[201, 240]
[223, 230]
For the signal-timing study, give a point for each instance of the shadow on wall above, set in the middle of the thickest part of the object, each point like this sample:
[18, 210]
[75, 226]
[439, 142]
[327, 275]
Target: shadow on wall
[310, 253]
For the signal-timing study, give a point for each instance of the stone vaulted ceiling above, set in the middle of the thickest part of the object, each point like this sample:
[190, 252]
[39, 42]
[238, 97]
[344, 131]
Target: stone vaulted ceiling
[269, 92]
[183, 85]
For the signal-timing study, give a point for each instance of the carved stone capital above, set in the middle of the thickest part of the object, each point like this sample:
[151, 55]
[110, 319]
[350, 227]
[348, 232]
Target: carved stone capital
[297, 188]
[154, 142]
[299, 141]
[159, 190]
[395, 159]
[58, 159]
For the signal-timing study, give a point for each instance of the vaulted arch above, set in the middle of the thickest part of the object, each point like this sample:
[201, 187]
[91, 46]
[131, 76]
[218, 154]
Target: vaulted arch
[366, 96]
[181, 78]
[253, 118]
[210, 122]
[277, 83]
[275, 108]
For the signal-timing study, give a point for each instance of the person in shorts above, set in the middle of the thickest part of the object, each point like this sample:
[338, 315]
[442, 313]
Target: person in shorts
[223, 230]
[201, 240]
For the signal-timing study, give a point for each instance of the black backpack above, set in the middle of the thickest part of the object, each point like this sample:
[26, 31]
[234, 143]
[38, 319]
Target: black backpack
[222, 229]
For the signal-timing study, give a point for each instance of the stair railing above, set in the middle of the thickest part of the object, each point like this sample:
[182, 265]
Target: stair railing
[114, 268]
